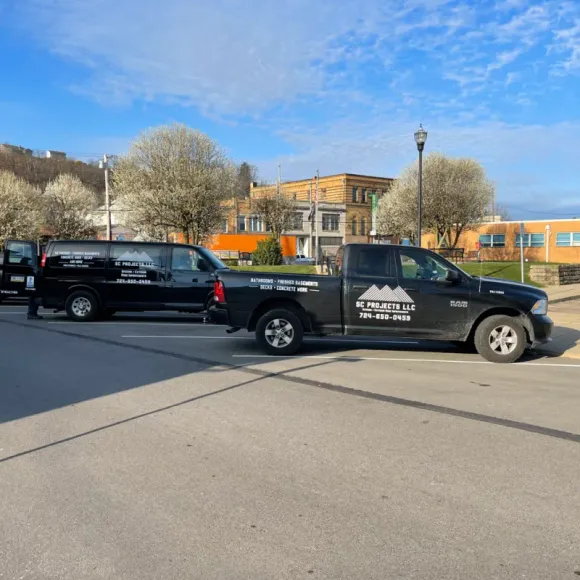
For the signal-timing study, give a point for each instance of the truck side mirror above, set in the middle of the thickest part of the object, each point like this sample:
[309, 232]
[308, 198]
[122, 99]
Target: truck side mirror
[452, 276]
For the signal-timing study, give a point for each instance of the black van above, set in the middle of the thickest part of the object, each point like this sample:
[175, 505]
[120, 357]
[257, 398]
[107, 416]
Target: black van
[92, 279]
[18, 263]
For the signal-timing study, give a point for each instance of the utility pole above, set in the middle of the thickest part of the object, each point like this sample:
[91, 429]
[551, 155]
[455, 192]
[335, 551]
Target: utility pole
[104, 164]
[279, 182]
[316, 218]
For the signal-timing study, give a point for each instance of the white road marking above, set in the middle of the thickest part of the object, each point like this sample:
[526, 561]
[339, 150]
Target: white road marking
[196, 337]
[127, 323]
[406, 360]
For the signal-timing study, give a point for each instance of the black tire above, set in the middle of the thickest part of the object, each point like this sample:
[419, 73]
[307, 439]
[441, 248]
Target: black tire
[489, 343]
[289, 328]
[82, 306]
[208, 302]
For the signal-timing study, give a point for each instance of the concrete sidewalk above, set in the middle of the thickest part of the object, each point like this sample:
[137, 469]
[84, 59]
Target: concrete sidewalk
[566, 334]
[557, 294]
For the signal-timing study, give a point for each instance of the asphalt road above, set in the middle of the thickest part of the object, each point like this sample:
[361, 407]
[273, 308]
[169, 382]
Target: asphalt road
[155, 447]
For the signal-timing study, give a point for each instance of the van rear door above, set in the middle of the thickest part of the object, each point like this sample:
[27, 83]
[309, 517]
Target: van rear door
[17, 271]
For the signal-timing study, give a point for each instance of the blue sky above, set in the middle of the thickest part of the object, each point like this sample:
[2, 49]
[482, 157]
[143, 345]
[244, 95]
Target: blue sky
[329, 85]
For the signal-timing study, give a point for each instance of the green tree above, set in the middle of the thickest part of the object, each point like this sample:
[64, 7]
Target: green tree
[268, 252]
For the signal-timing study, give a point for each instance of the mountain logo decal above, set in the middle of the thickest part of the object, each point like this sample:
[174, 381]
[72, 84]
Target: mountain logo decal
[386, 294]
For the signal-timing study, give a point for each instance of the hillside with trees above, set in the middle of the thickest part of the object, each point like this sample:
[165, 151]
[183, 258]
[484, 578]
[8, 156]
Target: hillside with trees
[39, 171]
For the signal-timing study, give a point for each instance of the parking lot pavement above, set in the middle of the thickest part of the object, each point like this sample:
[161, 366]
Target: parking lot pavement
[155, 446]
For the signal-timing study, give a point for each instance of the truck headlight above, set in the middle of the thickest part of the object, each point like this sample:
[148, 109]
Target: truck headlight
[540, 307]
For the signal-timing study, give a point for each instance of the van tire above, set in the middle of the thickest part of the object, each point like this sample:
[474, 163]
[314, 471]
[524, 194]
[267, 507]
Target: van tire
[279, 332]
[500, 339]
[82, 306]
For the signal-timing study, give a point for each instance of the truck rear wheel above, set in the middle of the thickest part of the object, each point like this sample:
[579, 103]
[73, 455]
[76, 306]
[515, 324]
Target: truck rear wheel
[500, 339]
[279, 332]
[82, 306]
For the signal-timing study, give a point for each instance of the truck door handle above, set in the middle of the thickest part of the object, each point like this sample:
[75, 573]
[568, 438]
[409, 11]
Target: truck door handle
[194, 280]
[411, 289]
[359, 287]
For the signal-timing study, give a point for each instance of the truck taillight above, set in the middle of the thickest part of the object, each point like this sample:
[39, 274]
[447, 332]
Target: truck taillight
[218, 291]
[43, 260]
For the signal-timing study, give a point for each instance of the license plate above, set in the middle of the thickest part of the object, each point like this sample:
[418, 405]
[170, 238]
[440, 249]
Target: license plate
[17, 279]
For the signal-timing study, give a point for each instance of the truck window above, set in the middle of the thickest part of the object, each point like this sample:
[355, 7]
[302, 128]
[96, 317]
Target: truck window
[374, 262]
[418, 265]
[20, 254]
[188, 260]
[75, 255]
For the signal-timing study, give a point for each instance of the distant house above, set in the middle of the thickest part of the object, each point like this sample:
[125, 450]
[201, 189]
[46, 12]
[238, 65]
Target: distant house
[6, 148]
[55, 154]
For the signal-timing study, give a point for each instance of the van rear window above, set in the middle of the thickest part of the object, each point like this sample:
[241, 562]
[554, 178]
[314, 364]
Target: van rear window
[78, 256]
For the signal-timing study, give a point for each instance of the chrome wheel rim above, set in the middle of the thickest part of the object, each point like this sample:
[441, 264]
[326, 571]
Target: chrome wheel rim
[503, 340]
[279, 333]
[81, 306]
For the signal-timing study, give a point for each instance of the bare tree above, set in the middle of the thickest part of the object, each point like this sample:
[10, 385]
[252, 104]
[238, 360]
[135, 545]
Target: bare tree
[456, 197]
[502, 211]
[20, 215]
[175, 179]
[277, 211]
[67, 208]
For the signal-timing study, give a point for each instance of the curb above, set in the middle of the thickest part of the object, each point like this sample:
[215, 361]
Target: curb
[564, 299]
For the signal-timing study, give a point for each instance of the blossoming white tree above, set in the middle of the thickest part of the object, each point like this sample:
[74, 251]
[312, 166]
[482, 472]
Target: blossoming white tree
[456, 197]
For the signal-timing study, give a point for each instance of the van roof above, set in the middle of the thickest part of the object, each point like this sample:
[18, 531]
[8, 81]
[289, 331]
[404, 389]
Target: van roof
[123, 242]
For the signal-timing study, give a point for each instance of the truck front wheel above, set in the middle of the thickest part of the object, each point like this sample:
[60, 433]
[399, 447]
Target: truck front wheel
[500, 339]
[279, 332]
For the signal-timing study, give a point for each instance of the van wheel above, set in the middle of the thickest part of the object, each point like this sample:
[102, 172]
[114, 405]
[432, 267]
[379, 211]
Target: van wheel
[82, 306]
[279, 332]
[500, 339]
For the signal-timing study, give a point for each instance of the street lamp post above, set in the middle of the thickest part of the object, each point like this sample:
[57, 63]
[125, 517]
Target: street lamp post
[420, 138]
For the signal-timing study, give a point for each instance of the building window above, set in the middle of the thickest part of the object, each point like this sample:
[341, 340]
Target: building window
[298, 222]
[330, 222]
[353, 226]
[531, 240]
[363, 226]
[354, 196]
[492, 240]
[256, 224]
[224, 226]
[363, 195]
[241, 223]
[568, 239]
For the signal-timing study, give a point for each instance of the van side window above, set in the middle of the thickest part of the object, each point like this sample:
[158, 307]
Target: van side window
[136, 256]
[75, 255]
[187, 260]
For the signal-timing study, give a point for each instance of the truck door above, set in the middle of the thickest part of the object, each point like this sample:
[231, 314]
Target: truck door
[439, 307]
[372, 302]
[189, 280]
[17, 271]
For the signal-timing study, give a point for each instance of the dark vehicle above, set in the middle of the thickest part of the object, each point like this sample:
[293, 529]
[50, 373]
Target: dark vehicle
[18, 262]
[90, 279]
[381, 290]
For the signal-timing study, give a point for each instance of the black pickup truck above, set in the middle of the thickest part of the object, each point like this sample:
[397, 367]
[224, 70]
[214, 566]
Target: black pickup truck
[383, 290]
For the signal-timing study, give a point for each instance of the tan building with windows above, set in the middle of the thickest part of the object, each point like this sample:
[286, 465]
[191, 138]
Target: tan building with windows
[350, 190]
[344, 214]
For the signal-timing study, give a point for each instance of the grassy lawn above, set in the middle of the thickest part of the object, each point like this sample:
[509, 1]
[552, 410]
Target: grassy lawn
[292, 269]
[506, 270]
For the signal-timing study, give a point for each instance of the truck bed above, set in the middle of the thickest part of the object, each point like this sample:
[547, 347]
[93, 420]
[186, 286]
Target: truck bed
[249, 293]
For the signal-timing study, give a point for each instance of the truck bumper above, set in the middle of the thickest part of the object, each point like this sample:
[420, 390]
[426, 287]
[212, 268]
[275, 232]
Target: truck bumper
[540, 328]
[219, 316]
